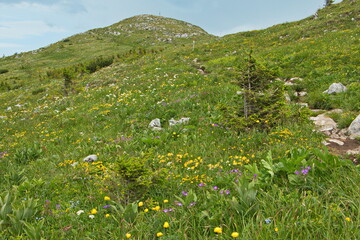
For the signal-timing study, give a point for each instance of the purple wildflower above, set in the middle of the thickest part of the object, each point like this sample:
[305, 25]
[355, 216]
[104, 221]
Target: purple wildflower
[215, 187]
[178, 203]
[192, 204]
[201, 184]
[106, 206]
[227, 191]
[168, 210]
[184, 193]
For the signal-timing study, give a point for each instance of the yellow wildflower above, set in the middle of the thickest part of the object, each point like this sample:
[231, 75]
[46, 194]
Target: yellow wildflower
[217, 230]
[235, 234]
[93, 211]
[128, 235]
[106, 198]
[166, 225]
[159, 234]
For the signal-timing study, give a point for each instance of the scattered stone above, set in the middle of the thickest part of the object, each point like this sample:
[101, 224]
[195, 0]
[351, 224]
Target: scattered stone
[287, 97]
[90, 158]
[289, 84]
[303, 104]
[300, 94]
[354, 128]
[336, 88]
[324, 123]
[336, 141]
[355, 151]
[173, 122]
[296, 79]
[155, 123]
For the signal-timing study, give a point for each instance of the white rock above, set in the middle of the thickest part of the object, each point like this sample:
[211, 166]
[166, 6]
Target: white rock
[300, 94]
[173, 122]
[324, 123]
[336, 141]
[296, 78]
[336, 88]
[155, 123]
[90, 158]
[355, 151]
[354, 128]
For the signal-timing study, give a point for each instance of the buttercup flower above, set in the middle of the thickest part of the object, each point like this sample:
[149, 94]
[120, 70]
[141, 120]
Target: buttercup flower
[166, 201]
[107, 215]
[159, 234]
[235, 234]
[128, 235]
[217, 230]
[140, 204]
[348, 219]
[93, 211]
[106, 198]
[166, 225]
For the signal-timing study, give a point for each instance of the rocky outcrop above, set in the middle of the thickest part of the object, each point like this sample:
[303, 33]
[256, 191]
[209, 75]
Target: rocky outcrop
[336, 88]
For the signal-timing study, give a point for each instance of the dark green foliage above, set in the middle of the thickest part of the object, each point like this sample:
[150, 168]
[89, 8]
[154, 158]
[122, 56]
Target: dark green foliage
[98, 63]
[328, 2]
[319, 100]
[261, 102]
[3, 71]
[37, 91]
[27, 154]
[135, 176]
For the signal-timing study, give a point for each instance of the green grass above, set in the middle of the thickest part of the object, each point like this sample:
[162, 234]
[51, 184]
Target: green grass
[196, 176]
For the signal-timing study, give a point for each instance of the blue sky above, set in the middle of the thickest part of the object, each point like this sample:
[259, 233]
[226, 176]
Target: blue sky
[30, 24]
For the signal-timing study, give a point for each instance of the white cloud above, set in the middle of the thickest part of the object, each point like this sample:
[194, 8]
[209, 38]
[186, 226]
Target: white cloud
[22, 29]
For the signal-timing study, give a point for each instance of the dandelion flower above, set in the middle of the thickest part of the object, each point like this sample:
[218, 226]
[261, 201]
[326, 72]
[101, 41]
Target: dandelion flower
[106, 198]
[235, 234]
[107, 215]
[140, 204]
[146, 210]
[166, 225]
[128, 235]
[348, 219]
[159, 234]
[93, 211]
[276, 229]
[166, 201]
[217, 230]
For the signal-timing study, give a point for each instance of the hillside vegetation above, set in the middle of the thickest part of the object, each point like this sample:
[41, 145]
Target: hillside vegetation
[231, 160]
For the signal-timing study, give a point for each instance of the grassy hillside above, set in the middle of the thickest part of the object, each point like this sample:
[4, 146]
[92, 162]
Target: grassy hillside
[206, 178]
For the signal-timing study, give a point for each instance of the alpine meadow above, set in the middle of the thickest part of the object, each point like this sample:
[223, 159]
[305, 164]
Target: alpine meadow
[152, 128]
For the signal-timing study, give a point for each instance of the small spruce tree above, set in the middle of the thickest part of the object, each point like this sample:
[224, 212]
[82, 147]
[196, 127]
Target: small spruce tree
[262, 99]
